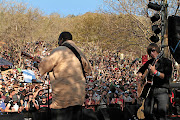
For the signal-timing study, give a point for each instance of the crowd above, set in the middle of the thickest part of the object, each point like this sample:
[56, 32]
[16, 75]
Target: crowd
[19, 96]
[112, 82]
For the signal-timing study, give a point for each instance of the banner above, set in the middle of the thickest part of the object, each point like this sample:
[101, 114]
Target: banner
[28, 76]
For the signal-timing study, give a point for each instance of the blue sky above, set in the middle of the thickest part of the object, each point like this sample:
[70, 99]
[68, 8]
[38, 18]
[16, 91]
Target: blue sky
[65, 7]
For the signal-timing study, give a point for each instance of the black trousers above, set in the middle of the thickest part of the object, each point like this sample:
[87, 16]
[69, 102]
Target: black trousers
[73, 113]
[160, 97]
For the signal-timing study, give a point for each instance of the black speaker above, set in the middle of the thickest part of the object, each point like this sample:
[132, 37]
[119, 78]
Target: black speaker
[174, 36]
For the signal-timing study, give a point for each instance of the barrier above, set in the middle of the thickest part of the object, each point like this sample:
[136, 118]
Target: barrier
[12, 116]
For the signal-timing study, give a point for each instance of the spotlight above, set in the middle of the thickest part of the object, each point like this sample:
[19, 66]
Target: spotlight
[155, 18]
[154, 6]
[156, 29]
[154, 38]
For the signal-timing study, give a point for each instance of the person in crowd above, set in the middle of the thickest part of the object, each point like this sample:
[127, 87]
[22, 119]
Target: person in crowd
[21, 89]
[104, 100]
[96, 97]
[2, 105]
[121, 102]
[67, 78]
[48, 96]
[114, 100]
[160, 72]
[3, 88]
[38, 94]
[90, 103]
[10, 97]
[43, 104]
[127, 98]
[2, 96]
[14, 105]
[31, 106]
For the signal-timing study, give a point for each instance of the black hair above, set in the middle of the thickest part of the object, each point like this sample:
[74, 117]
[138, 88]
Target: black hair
[65, 36]
[151, 46]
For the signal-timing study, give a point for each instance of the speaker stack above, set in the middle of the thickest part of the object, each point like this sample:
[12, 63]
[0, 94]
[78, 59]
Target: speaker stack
[174, 36]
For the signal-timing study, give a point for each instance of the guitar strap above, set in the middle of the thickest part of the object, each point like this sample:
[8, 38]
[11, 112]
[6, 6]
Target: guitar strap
[76, 53]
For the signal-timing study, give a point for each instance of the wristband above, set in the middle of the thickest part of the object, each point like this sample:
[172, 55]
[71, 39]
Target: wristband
[155, 72]
[158, 73]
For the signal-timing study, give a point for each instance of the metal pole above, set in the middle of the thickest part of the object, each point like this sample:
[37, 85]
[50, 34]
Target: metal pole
[164, 26]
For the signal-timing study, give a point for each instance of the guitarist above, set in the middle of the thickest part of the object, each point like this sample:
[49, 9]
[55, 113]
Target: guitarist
[67, 78]
[160, 73]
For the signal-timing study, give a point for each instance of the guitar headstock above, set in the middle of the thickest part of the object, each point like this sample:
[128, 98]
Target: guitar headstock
[160, 55]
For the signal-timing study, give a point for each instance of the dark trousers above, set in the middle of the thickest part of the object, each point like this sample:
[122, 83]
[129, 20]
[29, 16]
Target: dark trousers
[73, 113]
[161, 98]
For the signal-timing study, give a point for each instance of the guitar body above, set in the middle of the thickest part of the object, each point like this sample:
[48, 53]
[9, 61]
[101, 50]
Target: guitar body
[145, 89]
[140, 112]
[143, 86]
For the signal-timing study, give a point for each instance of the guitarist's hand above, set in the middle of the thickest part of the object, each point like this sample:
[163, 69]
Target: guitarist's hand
[152, 68]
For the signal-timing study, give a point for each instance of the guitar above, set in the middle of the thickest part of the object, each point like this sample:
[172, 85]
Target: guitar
[144, 88]
[31, 57]
[36, 60]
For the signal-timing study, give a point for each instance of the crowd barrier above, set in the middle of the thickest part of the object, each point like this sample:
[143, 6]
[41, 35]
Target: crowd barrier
[12, 116]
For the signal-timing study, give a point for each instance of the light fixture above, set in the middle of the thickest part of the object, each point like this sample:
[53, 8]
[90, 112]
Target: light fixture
[154, 38]
[155, 18]
[156, 29]
[154, 6]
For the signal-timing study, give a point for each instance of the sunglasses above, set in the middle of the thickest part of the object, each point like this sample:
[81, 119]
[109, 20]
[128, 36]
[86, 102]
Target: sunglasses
[152, 50]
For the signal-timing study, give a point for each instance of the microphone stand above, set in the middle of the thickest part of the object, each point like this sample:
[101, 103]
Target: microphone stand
[49, 118]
